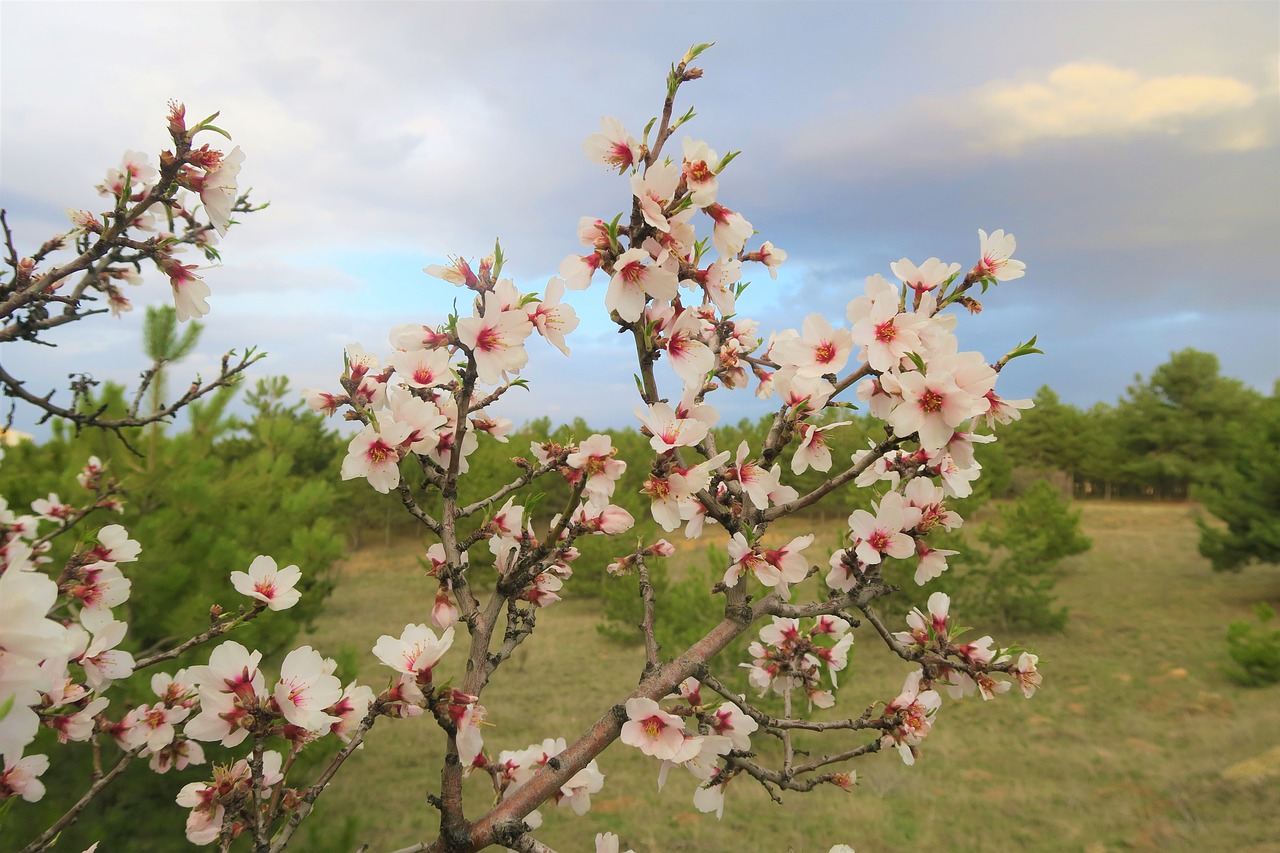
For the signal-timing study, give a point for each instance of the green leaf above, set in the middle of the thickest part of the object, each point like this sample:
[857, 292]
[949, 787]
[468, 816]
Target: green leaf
[216, 130]
[696, 51]
[498, 258]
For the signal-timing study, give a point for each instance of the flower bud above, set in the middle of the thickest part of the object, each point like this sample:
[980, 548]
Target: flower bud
[177, 120]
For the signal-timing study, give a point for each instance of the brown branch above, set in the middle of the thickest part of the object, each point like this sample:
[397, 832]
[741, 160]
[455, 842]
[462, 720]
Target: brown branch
[886, 634]
[515, 485]
[832, 484]
[648, 623]
[215, 630]
[406, 498]
[228, 375]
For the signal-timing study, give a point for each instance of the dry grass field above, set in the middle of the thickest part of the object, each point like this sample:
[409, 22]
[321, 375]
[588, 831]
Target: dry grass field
[1138, 741]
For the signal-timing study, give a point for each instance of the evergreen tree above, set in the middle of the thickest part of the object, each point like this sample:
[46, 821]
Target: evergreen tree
[1241, 487]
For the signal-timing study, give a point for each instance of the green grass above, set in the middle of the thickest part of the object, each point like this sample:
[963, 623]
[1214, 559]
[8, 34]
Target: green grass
[1137, 741]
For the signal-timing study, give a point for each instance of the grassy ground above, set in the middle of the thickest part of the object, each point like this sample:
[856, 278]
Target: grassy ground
[1137, 741]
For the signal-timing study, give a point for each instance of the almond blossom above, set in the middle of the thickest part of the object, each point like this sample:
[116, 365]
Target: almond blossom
[375, 455]
[886, 334]
[612, 146]
[880, 535]
[820, 350]
[634, 278]
[932, 407]
[153, 725]
[654, 190]
[652, 730]
[669, 431]
[596, 457]
[730, 232]
[552, 318]
[266, 583]
[21, 777]
[495, 339]
[218, 190]
[755, 481]
[914, 708]
[189, 290]
[307, 686]
[926, 277]
[457, 272]
[812, 451]
[997, 252]
[416, 651]
[730, 721]
[422, 368]
[691, 358]
[699, 172]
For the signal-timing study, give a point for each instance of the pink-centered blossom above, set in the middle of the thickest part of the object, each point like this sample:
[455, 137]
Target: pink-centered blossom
[596, 458]
[189, 290]
[457, 272]
[635, 277]
[821, 349]
[757, 482]
[730, 721]
[153, 725]
[306, 688]
[266, 583]
[218, 189]
[652, 730]
[700, 163]
[612, 146]
[812, 451]
[881, 535]
[886, 333]
[669, 431]
[350, 710]
[691, 358]
[416, 651]
[21, 777]
[495, 340]
[115, 546]
[926, 277]
[730, 232]
[375, 455]
[654, 190]
[552, 318]
[997, 252]
[932, 406]
[422, 368]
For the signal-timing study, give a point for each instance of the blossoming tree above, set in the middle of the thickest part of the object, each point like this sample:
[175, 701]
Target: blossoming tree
[424, 409]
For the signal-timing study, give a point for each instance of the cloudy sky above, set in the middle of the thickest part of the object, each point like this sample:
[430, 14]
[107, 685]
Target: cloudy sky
[1130, 147]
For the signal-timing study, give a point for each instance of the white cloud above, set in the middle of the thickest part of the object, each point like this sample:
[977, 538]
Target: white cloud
[1087, 99]
[1073, 103]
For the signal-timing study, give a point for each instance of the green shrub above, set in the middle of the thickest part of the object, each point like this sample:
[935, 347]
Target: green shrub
[1013, 584]
[1255, 649]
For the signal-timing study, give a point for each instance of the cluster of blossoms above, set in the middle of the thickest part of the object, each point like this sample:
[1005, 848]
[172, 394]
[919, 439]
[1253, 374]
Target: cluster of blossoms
[59, 638]
[677, 295]
[412, 405]
[515, 768]
[136, 188]
[963, 668]
[60, 654]
[696, 735]
[786, 659]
